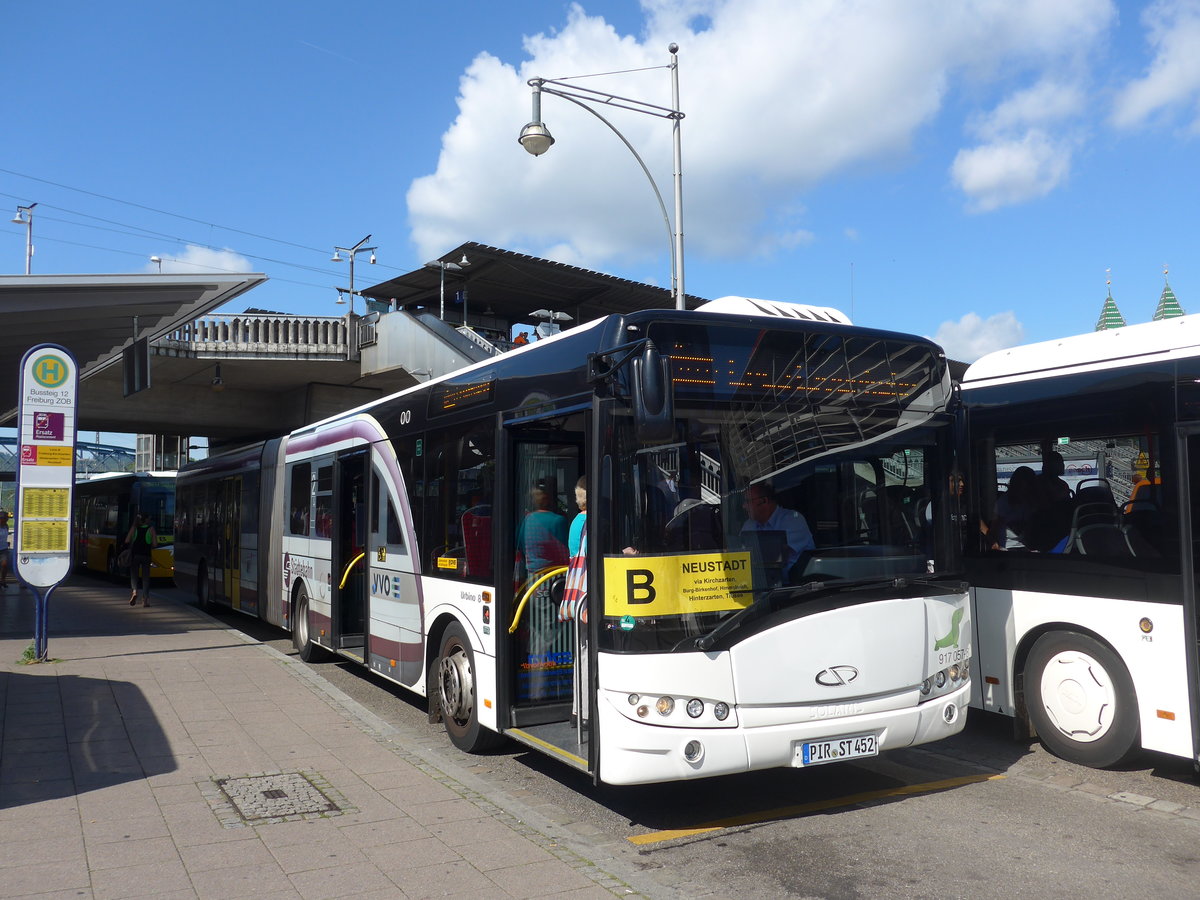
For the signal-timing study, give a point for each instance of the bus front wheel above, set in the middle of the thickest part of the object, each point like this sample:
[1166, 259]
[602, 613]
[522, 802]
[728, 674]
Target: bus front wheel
[301, 632]
[452, 685]
[1081, 700]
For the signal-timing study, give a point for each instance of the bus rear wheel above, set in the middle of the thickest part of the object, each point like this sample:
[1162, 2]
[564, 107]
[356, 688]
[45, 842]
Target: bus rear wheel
[1081, 700]
[301, 632]
[452, 686]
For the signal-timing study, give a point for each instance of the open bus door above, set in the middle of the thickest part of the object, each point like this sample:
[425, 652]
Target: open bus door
[538, 657]
[349, 564]
[1189, 500]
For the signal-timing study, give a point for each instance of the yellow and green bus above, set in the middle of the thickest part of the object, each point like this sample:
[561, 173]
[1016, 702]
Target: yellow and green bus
[105, 505]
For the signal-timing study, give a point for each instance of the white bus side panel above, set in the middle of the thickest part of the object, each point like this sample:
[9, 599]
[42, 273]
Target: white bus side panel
[1156, 661]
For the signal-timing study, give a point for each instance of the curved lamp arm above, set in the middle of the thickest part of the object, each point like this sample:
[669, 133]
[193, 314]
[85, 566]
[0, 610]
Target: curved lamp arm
[653, 185]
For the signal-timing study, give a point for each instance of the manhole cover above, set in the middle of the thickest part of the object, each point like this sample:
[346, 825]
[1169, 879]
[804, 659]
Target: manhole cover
[257, 799]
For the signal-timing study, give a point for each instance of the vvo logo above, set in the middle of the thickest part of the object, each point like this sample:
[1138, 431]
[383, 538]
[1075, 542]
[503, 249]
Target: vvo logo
[837, 676]
[384, 584]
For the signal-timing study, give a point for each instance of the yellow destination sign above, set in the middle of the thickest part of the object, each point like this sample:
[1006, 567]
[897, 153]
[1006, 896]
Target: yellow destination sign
[643, 586]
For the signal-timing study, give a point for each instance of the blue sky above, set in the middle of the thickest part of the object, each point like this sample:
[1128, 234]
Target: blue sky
[964, 170]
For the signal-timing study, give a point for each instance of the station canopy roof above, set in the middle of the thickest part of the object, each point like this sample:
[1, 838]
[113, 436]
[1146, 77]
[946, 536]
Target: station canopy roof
[511, 285]
[93, 316]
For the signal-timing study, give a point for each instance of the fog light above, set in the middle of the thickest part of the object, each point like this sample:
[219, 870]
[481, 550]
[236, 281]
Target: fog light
[950, 713]
[633, 699]
[665, 706]
[721, 711]
[695, 708]
[692, 751]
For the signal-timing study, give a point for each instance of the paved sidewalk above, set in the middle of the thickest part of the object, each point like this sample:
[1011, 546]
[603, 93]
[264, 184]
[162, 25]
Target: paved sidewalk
[163, 755]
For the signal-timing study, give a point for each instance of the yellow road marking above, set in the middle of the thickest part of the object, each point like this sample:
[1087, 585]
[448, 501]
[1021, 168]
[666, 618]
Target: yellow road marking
[545, 745]
[788, 812]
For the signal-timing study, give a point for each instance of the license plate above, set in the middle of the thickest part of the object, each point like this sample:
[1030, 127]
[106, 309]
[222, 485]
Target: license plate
[814, 753]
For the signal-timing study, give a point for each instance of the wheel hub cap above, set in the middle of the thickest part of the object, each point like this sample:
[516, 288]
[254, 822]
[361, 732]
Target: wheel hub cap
[456, 685]
[1079, 696]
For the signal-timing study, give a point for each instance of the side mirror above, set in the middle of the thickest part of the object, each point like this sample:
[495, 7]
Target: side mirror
[653, 399]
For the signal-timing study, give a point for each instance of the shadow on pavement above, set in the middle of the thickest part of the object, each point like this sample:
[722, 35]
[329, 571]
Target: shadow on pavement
[64, 735]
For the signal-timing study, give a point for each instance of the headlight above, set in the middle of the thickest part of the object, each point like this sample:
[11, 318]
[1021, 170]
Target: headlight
[721, 711]
[695, 708]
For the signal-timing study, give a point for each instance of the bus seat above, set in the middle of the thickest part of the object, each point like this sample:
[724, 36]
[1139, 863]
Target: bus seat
[1103, 541]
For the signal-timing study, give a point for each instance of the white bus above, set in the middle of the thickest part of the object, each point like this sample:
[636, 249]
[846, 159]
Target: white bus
[1083, 588]
[421, 535]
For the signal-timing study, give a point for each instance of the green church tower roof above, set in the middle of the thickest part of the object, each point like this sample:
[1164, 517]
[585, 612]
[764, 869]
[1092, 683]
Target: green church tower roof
[1110, 316]
[1168, 306]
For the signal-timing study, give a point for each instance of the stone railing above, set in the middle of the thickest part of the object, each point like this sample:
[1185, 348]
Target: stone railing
[267, 335]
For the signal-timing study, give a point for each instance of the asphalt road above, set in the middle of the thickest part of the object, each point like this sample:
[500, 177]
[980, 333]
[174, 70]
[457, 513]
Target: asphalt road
[981, 815]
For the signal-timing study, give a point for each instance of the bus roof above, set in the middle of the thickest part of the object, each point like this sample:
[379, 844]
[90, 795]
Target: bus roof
[1112, 348]
[748, 306]
[106, 476]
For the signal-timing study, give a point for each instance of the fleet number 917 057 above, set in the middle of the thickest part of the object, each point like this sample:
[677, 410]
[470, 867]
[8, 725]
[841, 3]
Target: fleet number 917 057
[813, 753]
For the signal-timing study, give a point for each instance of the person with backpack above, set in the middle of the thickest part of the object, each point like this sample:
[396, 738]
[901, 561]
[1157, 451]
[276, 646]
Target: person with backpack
[140, 540]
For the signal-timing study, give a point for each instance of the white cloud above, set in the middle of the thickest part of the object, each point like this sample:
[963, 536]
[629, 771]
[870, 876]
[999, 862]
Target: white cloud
[972, 337]
[200, 260]
[1173, 77]
[1006, 172]
[778, 95]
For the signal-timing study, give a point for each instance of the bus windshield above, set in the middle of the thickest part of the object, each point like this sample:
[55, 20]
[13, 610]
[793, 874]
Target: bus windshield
[157, 501]
[792, 468]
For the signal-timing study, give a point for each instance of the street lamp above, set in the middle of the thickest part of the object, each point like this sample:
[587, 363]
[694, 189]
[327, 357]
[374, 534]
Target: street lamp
[453, 267]
[28, 223]
[536, 139]
[352, 252]
[158, 261]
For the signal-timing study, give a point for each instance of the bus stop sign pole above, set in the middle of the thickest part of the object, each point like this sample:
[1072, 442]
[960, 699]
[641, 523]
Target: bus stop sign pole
[45, 477]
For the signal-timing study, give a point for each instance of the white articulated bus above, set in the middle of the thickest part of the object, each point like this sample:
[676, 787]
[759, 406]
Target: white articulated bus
[422, 535]
[1083, 586]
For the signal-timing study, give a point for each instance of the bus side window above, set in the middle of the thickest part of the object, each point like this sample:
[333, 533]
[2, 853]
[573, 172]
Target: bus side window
[324, 508]
[299, 498]
[460, 482]
[385, 524]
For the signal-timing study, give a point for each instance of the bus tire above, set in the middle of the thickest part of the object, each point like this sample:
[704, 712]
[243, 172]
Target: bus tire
[1081, 700]
[306, 648]
[453, 688]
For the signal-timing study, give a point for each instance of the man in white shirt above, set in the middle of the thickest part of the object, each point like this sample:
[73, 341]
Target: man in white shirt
[767, 515]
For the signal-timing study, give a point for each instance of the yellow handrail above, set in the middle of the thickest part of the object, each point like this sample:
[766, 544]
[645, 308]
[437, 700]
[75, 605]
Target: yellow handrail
[349, 566]
[548, 574]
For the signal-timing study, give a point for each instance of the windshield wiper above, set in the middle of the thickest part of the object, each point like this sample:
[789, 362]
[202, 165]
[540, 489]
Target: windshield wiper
[728, 624]
[792, 592]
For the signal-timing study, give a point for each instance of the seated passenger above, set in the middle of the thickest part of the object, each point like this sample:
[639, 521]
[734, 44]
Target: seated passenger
[1015, 510]
[767, 515]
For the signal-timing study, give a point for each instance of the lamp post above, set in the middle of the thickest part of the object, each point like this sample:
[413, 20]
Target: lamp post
[536, 139]
[28, 223]
[453, 267]
[352, 252]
